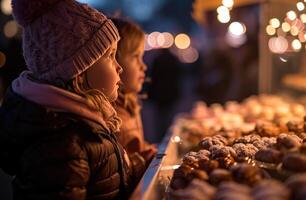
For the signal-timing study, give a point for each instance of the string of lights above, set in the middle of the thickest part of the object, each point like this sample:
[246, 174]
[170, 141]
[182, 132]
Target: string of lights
[289, 34]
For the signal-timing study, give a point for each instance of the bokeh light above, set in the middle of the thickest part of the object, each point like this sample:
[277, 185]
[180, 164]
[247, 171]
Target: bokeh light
[169, 40]
[278, 45]
[303, 17]
[152, 39]
[286, 27]
[160, 40]
[300, 6]
[189, 55]
[10, 29]
[275, 23]
[182, 41]
[237, 28]
[294, 31]
[224, 18]
[296, 45]
[270, 30]
[222, 10]
[302, 36]
[147, 45]
[235, 40]
[291, 15]
[6, 7]
[228, 3]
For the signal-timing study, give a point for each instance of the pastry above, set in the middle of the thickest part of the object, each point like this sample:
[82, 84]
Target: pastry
[295, 162]
[244, 151]
[269, 156]
[297, 185]
[219, 175]
[246, 174]
[208, 165]
[270, 190]
[286, 141]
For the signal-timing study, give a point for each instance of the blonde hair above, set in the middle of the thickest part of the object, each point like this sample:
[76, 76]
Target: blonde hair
[131, 36]
[97, 100]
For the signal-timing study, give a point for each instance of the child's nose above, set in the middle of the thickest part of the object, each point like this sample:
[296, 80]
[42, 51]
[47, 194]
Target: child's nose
[144, 66]
[119, 68]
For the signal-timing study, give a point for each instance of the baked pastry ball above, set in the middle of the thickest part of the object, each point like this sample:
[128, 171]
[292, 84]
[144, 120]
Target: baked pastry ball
[232, 191]
[221, 152]
[295, 162]
[218, 176]
[267, 129]
[286, 141]
[269, 156]
[295, 126]
[208, 165]
[244, 151]
[246, 174]
[297, 185]
[270, 189]
[208, 142]
[198, 174]
[180, 177]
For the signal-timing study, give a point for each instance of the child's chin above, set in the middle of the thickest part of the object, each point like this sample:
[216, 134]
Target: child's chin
[113, 97]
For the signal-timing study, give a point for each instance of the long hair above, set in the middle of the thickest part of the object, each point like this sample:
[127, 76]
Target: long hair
[131, 36]
[97, 100]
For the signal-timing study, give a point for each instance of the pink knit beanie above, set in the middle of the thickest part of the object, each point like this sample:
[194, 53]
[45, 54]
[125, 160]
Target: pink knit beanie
[62, 38]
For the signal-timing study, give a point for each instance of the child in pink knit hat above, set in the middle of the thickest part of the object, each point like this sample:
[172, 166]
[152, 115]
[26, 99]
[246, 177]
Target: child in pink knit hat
[57, 123]
[130, 57]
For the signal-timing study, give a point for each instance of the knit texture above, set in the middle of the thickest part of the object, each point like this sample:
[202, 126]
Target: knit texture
[62, 38]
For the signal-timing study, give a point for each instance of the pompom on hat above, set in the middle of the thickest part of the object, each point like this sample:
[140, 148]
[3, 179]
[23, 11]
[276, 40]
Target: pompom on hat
[62, 38]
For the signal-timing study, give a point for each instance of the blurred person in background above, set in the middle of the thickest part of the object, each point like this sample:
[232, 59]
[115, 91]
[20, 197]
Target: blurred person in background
[130, 57]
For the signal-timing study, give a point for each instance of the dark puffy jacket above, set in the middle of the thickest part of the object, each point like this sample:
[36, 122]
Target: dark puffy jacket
[57, 156]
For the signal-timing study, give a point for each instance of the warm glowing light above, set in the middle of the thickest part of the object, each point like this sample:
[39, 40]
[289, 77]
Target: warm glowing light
[176, 139]
[228, 3]
[270, 30]
[189, 55]
[168, 40]
[2, 59]
[234, 40]
[286, 27]
[302, 36]
[152, 39]
[298, 24]
[224, 18]
[182, 41]
[275, 23]
[283, 59]
[294, 31]
[10, 29]
[291, 15]
[222, 10]
[147, 45]
[296, 45]
[237, 28]
[6, 7]
[300, 6]
[278, 44]
[160, 40]
[303, 17]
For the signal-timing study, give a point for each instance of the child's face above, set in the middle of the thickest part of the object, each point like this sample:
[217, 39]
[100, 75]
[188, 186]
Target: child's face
[104, 74]
[134, 69]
